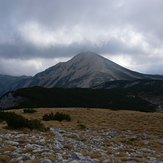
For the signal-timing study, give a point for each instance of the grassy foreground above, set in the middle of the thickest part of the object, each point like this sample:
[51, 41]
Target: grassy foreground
[97, 119]
[137, 130]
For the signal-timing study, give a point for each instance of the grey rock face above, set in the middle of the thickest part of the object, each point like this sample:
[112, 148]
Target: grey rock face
[10, 101]
[84, 70]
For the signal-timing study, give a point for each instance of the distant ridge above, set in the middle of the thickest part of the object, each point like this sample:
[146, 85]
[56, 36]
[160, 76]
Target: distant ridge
[85, 70]
[6, 82]
[142, 95]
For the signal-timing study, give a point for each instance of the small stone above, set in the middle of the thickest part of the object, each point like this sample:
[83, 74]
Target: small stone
[32, 157]
[106, 161]
[12, 142]
[77, 156]
[19, 158]
[74, 161]
[21, 161]
[59, 157]
[42, 140]
[46, 154]
[88, 160]
[152, 158]
[132, 161]
[46, 161]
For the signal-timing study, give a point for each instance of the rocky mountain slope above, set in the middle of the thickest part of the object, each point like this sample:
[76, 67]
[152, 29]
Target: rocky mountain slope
[84, 71]
[136, 85]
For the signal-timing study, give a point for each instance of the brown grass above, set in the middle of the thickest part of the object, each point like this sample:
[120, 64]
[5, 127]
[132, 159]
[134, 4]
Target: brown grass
[132, 128]
[132, 122]
[27, 150]
[32, 161]
[102, 119]
[92, 155]
[4, 158]
[156, 144]
[68, 147]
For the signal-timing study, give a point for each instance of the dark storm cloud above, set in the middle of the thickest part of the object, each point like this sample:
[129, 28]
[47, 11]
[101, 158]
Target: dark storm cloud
[26, 51]
[32, 29]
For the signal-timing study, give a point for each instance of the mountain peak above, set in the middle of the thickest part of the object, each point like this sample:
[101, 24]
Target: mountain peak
[85, 55]
[88, 53]
[84, 70]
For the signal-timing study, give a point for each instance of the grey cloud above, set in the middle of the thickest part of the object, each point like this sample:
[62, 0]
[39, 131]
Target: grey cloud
[144, 18]
[24, 50]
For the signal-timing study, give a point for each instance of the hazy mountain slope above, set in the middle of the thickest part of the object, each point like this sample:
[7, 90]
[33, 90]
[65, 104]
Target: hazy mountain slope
[138, 85]
[7, 82]
[84, 70]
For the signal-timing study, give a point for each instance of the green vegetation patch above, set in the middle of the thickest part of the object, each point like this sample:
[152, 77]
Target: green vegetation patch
[16, 121]
[1, 120]
[57, 116]
[29, 111]
[82, 126]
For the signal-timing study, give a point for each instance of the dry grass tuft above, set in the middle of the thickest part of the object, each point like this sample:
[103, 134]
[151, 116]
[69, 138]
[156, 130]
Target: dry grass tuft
[92, 155]
[27, 150]
[156, 144]
[68, 147]
[4, 158]
[32, 161]
[52, 158]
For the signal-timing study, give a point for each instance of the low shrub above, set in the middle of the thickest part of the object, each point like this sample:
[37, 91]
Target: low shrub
[81, 126]
[58, 116]
[48, 117]
[145, 110]
[1, 120]
[16, 121]
[62, 116]
[29, 111]
[35, 124]
[3, 115]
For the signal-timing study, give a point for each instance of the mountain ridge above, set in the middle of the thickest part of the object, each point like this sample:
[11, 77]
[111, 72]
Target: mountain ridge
[141, 95]
[6, 82]
[84, 70]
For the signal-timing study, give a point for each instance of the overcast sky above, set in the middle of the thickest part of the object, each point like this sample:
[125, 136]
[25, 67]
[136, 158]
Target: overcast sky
[37, 34]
